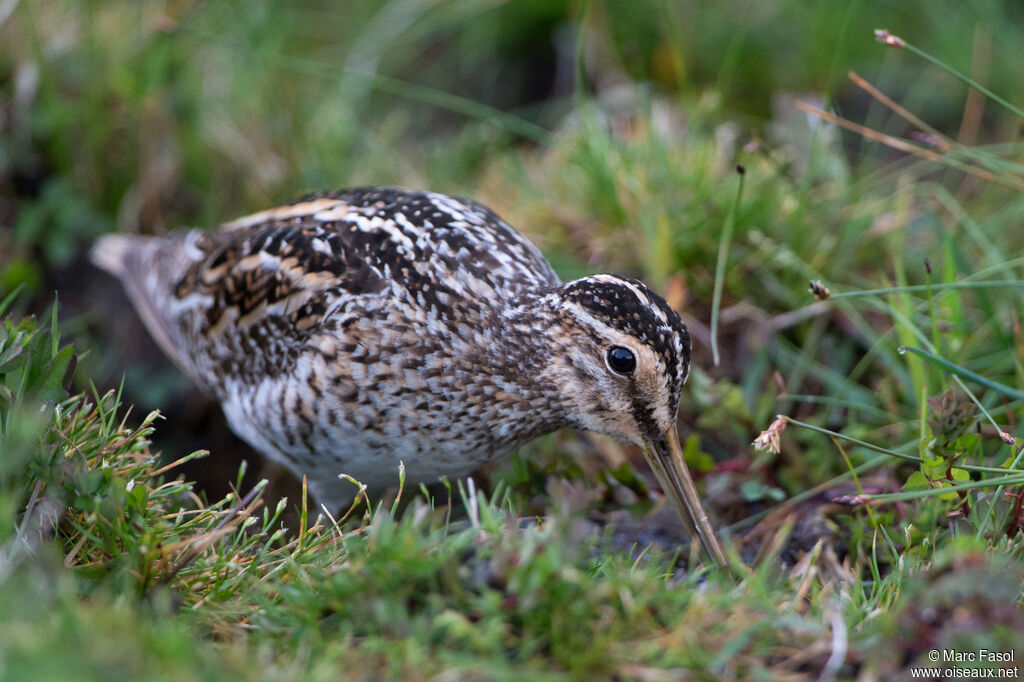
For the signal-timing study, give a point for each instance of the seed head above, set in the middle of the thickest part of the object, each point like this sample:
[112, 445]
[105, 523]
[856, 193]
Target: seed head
[883, 36]
[769, 438]
[819, 290]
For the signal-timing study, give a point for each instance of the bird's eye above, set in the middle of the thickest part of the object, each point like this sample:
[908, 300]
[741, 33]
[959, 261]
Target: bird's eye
[621, 360]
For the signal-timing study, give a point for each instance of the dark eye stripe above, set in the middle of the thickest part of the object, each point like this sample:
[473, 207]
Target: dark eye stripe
[621, 360]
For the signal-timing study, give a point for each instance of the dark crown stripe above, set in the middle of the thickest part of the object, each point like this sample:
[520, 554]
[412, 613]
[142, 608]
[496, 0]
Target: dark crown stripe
[613, 298]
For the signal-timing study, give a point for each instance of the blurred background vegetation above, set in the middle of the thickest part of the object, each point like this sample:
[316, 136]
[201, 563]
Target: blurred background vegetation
[608, 132]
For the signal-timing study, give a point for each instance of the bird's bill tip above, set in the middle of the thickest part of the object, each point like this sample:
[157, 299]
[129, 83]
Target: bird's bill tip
[665, 456]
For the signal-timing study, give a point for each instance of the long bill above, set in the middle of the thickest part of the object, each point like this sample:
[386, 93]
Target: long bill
[665, 457]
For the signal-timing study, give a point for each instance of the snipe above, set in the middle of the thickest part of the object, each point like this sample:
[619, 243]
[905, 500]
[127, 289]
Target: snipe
[353, 330]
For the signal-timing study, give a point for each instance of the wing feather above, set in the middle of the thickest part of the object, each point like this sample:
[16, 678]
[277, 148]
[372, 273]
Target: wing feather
[245, 299]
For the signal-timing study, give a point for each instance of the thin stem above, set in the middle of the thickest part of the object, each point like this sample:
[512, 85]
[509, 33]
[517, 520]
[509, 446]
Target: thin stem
[963, 77]
[931, 492]
[807, 494]
[963, 372]
[887, 451]
[932, 287]
[723, 254]
[860, 490]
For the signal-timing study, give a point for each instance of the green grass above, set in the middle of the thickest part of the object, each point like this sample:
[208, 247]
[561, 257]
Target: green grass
[887, 522]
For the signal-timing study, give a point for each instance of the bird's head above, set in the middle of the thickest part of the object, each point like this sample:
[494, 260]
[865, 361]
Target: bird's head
[624, 357]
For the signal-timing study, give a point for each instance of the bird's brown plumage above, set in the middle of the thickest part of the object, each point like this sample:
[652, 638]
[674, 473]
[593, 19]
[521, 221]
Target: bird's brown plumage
[350, 331]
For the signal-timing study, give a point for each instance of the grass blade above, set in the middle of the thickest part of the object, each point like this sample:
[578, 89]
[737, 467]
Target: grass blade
[963, 372]
[723, 255]
[963, 77]
[931, 287]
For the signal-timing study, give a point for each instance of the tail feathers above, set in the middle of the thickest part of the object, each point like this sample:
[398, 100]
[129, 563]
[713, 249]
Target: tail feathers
[142, 264]
[111, 252]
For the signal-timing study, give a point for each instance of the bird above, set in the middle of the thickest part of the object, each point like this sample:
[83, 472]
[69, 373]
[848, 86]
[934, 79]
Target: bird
[356, 331]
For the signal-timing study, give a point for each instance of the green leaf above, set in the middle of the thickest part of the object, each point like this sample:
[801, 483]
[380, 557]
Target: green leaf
[935, 468]
[959, 475]
[917, 481]
[951, 495]
[755, 491]
[966, 443]
[695, 459]
[49, 384]
[10, 350]
[4, 304]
